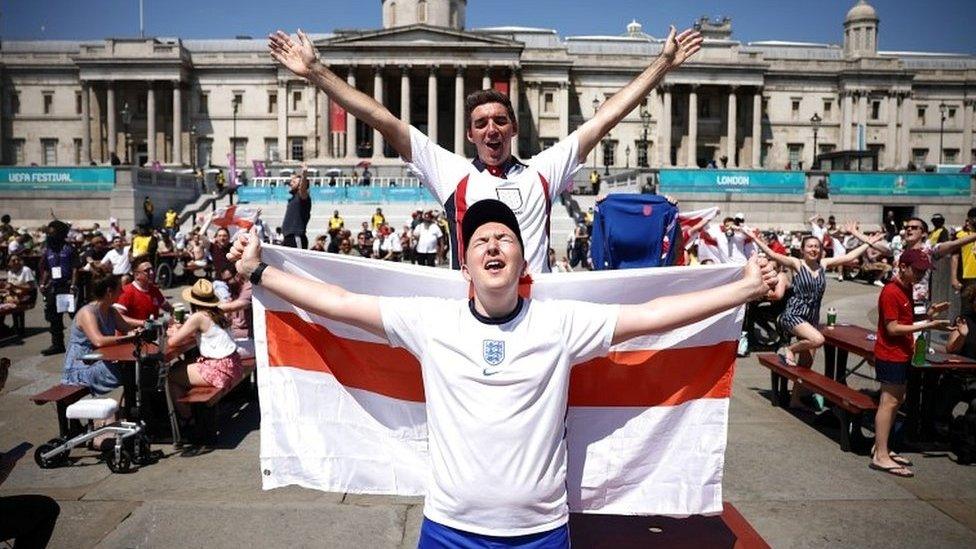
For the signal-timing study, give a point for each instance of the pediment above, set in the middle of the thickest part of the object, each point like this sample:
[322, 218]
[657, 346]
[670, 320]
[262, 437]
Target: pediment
[421, 35]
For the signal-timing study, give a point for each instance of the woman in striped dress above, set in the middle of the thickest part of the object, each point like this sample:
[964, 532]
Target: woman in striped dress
[802, 313]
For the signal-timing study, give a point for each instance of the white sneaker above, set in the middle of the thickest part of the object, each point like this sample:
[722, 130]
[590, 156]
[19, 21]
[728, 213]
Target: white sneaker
[879, 284]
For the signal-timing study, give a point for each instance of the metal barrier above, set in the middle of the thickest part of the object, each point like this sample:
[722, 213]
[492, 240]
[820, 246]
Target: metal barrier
[339, 181]
[376, 195]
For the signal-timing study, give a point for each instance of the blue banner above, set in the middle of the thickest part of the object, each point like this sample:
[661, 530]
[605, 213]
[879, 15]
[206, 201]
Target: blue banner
[35, 178]
[895, 184]
[337, 194]
[732, 181]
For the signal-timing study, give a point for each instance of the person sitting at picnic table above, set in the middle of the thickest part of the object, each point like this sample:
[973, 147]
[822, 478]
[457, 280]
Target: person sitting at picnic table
[802, 313]
[142, 299]
[893, 352]
[219, 364]
[97, 324]
[19, 292]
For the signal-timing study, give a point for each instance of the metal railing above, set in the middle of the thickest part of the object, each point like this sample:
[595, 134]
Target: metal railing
[339, 181]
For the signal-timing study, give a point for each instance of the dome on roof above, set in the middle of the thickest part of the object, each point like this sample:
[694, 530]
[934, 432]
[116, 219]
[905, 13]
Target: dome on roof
[634, 28]
[860, 12]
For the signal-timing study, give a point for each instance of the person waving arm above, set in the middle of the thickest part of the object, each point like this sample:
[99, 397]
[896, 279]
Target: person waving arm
[787, 261]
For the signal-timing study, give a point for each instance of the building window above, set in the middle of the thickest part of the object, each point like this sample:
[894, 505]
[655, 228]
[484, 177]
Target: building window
[49, 152]
[795, 156]
[547, 102]
[641, 147]
[422, 11]
[920, 157]
[920, 116]
[48, 102]
[609, 153]
[951, 113]
[795, 108]
[272, 103]
[18, 151]
[298, 148]
[271, 149]
[950, 156]
[704, 107]
[875, 110]
[14, 103]
[77, 102]
[204, 106]
[827, 108]
[393, 8]
[239, 146]
[204, 151]
[454, 19]
[296, 101]
[78, 152]
[826, 147]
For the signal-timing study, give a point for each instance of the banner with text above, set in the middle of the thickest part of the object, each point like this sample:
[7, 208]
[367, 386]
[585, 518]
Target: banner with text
[732, 181]
[34, 178]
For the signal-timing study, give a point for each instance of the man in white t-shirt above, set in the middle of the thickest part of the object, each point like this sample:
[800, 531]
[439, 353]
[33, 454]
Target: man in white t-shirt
[529, 189]
[496, 370]
[427, 235]
[118, 257]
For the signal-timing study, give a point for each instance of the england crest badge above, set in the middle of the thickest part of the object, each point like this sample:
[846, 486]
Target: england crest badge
[493, 351]
[512, 197]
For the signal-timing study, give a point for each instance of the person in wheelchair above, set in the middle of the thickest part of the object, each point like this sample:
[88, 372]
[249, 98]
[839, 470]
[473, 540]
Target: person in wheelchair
[97, 324]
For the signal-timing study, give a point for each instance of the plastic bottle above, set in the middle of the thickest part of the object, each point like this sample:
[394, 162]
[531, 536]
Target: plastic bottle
[921, 349]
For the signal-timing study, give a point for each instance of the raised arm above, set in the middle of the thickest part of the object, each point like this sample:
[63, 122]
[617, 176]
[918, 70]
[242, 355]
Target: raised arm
[313, 296]
[786, 261]
[879, 243]
[670, 312]
[676, 50]
[829, 262]
[945, 248]
[299, 57]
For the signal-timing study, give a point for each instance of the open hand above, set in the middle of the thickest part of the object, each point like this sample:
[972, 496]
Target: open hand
[679, 48]
[851, 227]
[937, 308]
[298, 57]
[246, 251]
[939, 324]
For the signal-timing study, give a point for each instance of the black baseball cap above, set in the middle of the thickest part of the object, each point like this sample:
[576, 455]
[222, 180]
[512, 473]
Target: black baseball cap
[489, 211]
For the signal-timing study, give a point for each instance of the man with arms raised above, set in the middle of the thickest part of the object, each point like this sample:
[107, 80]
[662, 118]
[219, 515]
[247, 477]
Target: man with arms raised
[497, 434]
[529, 189]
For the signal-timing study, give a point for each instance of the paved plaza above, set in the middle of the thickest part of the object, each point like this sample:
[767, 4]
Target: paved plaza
[785, 474]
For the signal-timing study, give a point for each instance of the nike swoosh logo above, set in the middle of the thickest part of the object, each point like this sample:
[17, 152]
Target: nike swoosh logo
[487, 373]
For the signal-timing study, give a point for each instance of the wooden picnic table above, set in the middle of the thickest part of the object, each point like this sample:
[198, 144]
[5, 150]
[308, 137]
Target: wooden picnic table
[124, 351]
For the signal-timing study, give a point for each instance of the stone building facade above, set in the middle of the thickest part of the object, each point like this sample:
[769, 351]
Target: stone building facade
[747, 105]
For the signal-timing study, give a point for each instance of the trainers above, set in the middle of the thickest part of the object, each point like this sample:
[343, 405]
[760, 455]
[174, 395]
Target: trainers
[53, 350]
[879, 284]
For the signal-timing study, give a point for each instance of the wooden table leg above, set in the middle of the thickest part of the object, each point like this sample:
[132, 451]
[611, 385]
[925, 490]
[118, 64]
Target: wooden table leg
[830, 360]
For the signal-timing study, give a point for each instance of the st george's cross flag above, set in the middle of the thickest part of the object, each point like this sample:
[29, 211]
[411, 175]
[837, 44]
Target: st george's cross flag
[646, 427]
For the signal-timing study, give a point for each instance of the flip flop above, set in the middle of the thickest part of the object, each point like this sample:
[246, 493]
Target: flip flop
[897, 458]
[891, 470]
[785, 361]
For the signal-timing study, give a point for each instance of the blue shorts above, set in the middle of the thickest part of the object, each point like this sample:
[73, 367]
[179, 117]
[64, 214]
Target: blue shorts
[434, 535]
[892, 373]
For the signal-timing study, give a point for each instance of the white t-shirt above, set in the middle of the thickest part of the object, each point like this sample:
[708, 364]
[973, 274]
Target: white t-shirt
[818, 231]
[391, 243]
[496, 405]
[529, 189]
[23, 278]
[119, 261]
[736, 249]
[427, 238]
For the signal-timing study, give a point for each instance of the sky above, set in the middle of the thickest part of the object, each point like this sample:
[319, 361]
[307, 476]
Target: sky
[906, 25]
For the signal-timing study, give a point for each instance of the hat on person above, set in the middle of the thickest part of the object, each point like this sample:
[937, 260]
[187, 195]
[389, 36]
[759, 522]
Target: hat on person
[915, 259]
[489, 211]
[937, 216]
[201, 294]
[740, 215]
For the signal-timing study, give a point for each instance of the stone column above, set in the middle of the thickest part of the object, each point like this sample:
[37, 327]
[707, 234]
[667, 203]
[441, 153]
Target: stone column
[486, 79]
[177, 124]
[151, 122]
[378, 96]
[459, 111]
[847, 105]
[311, 119]
[351, 141]
[111, 114]
[85, 124]
[731, 138]
[907, 119]
[967, 131]
[891, 140]
[692, 160]
[664, 129]
[862, 115]
[757, 129]
[563, 110]
[325, 113]
[405, 94]
[282, 120]
[432, 111]
[513, 95]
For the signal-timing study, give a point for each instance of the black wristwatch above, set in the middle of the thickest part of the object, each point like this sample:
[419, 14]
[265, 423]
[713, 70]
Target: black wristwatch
[256, 274]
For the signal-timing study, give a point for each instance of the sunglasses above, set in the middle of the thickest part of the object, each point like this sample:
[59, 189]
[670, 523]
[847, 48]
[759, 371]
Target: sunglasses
[914, 227]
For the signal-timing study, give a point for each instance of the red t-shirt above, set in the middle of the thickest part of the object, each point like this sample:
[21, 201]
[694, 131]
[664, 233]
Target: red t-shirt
[894, 303]
[139, 304]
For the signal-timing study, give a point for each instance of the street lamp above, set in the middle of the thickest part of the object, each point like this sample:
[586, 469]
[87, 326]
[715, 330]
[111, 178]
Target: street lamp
[942, 119]
[645, 116]
[596, 107]
[606, 154]
[627, 157]
[193, 135]
[233, 144]
[815, 121]
[126, 120]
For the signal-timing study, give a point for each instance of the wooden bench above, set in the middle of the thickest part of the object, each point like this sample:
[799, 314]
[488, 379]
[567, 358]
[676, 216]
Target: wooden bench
[63, 396]
[849, 405]
[204, 401]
